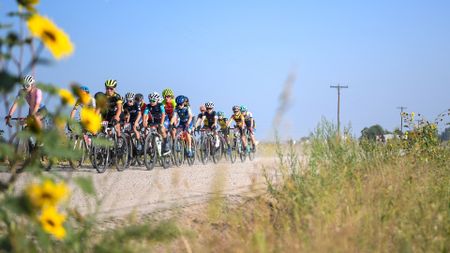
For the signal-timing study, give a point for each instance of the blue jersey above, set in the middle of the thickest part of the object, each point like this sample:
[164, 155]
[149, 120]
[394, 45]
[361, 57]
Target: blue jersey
[183, 114]
[155, 112]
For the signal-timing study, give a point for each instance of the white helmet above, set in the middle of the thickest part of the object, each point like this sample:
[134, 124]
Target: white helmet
[28, 80]
[129, 96]
[154, 96]
[209, 105]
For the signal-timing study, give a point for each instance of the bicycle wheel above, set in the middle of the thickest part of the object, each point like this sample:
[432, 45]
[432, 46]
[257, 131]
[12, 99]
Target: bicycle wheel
[79, 147]
[190, 159]
[100, 156]
[204, 150]
[242, 152]
[150, 152]
[121, 153]
[252, 154]
[178, 152]
[216, 152]
[234, 152]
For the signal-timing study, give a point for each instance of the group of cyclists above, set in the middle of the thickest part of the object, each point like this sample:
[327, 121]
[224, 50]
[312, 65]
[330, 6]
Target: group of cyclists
[168, 113]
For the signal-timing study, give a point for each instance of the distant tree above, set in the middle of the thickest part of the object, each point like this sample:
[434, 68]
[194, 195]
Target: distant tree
[445, 136]
[372, 132]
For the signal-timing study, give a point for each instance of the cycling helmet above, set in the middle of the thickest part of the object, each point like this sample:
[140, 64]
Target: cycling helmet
[28, 80]
[236, 108]
[167, 92]
[180, 100]
[139, 97]
[202, 108]
[209, 105]
[244, 108]
[129, 96]
[221, 114]
[154, 96]
[111, 83]
[84, 88]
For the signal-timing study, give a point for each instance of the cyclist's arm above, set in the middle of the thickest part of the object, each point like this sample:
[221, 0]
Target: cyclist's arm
[163, 114]
[74, 110]
[174, 116]
[13, 108]
[119, 110]
[136, 122]
[190, 117]
[215, 120]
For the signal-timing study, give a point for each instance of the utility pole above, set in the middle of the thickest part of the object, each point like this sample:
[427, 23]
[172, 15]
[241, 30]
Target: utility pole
[402, 108]
[339, 87]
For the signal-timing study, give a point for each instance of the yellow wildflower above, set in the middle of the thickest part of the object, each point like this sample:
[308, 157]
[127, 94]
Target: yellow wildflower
[412, 115]
[84, 97]
[90, 120]
[47, 193]
[52, 222]
[52, 36]
[66, 97]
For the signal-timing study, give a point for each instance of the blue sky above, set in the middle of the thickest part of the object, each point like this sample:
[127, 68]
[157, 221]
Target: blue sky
[389, 53]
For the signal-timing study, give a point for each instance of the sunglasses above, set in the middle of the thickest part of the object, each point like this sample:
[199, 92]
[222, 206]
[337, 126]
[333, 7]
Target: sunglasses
[130, 100]
[153, 101]
[235, 111]
[110, 88]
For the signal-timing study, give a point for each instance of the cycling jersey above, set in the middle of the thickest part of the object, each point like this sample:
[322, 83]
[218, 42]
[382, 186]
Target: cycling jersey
[169, 107]
[113, 102]
[155, 112]
[223, 123]
[33, 98]
[133, 110]
[183, 114]
[209, 118]
[248, 117]
[239, 119]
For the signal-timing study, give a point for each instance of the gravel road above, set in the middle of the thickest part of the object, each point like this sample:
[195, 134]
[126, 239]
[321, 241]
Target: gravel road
[140, 192]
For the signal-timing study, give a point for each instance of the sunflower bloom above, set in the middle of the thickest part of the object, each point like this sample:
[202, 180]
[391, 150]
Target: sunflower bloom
[84, 97]
[47, 193]
[52, 36]
[90, 120]
[52, 222]
[66, 97]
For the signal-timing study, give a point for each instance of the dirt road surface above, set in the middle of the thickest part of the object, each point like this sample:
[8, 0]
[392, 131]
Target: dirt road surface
[141, 192]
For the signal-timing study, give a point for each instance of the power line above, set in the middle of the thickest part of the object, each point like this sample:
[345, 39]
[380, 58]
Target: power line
[339, 87]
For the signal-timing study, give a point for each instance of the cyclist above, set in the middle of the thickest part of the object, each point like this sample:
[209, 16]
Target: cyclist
[90, 104]
[169, 106]
[155, 114]
[113, 105]
[209, 119]
[183, 115]
[139, 98]
[250, 124]
[223, 125]
[239, 120]
[200, 117]
[33, 96]
[132, 112]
